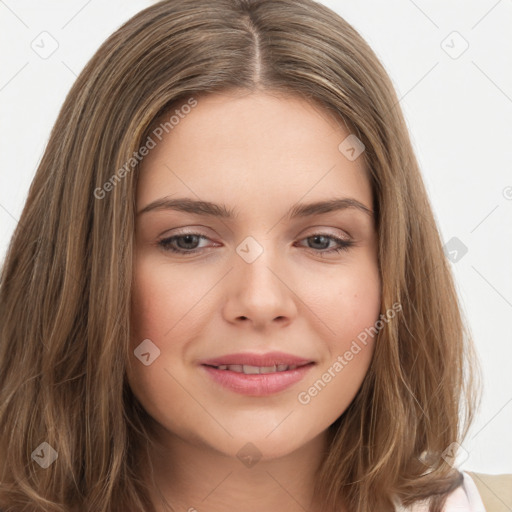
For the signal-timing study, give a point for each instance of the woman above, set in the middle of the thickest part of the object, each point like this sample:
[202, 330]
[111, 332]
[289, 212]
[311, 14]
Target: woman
[254, 369]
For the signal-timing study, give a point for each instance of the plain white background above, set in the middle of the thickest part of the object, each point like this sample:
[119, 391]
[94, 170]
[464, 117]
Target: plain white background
[451, 64]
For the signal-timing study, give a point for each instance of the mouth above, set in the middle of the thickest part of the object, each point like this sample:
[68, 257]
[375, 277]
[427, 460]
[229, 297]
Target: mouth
[257, 375]
[257, 370]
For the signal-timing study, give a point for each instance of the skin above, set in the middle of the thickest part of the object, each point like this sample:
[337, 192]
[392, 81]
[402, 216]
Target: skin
[259, 153]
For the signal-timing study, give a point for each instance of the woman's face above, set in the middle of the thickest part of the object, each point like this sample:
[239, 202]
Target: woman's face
[262, 280]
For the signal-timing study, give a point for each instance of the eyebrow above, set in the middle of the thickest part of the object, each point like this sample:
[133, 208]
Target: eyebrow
[207, 208]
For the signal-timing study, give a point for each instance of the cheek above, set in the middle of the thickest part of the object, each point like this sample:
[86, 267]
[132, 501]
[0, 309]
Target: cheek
[162, 301]
[360, 303]
[166, 309]
[351, 315]
[346, 304]
[158, 302]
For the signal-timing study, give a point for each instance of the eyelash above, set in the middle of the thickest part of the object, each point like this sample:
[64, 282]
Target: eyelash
[344, 245]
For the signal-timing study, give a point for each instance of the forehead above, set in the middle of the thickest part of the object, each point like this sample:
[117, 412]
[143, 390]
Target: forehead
[236, 147]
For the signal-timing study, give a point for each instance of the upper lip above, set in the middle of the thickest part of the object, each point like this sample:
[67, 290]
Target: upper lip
[252, 359]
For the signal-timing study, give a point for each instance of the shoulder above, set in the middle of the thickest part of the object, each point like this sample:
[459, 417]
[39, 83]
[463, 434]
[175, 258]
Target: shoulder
[495, 490]
[479, 492]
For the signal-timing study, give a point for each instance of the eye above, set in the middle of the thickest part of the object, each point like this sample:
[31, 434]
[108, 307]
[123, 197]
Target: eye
[187, 243]
[322, 238]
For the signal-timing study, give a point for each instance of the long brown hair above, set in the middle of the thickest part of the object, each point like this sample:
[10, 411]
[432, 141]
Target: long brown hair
[66, 280]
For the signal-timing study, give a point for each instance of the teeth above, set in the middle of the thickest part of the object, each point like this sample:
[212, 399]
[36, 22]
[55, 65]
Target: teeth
[252, 370]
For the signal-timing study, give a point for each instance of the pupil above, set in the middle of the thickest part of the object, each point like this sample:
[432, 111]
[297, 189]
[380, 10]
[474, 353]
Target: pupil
[317, 237]
[187, 240]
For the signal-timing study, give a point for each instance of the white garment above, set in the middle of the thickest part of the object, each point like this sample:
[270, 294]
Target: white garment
[465, 498]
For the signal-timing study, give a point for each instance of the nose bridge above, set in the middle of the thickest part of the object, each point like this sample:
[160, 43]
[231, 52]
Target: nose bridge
[256, 259]
[259, 291]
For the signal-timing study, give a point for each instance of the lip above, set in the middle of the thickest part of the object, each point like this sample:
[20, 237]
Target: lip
[262, 384]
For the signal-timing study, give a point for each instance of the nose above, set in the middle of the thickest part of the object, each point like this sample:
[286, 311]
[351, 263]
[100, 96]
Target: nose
[260, 293]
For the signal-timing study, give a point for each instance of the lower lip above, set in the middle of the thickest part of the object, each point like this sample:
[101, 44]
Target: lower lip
[260, 384]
